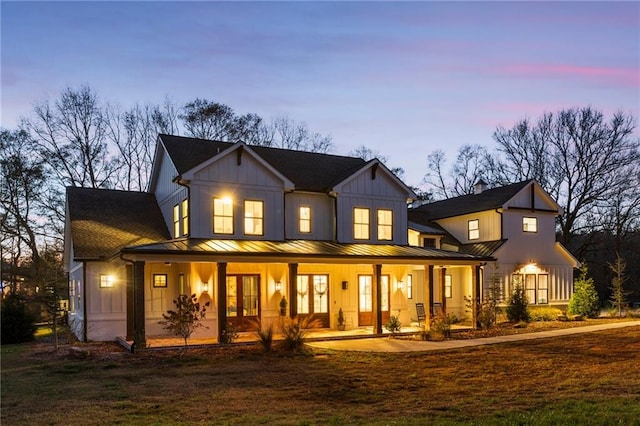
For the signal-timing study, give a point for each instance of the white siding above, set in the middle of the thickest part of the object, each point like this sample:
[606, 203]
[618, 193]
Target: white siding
[379, 193]
[488, 222]
[322, 216]
[106, 307]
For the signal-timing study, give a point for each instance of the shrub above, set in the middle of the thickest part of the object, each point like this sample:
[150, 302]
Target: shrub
[17, 323]
[517, 308]
[544, 313]
[584, 300]
[294, 331]
[393, 325]
[229, 334]
[186, 318]
[265, 335]
[441, 326]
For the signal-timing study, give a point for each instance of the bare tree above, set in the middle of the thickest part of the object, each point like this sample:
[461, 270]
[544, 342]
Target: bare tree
[208, 120]
[581, 159]
[70, 133]
[367, 154]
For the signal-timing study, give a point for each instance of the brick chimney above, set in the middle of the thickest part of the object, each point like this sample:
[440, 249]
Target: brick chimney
[479, 187]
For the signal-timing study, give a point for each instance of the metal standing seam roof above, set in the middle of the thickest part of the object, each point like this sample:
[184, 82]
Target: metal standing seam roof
[298, 248]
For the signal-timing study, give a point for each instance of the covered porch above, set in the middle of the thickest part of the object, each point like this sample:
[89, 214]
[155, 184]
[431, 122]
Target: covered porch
[251, 282]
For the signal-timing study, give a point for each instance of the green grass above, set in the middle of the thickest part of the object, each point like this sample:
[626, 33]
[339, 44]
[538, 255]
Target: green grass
[586, 379]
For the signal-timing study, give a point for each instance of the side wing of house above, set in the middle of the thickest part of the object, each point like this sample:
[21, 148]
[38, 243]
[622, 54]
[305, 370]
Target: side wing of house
[372, 207]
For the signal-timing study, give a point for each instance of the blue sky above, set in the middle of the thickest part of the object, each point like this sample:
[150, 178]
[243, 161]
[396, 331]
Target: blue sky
[403, 78]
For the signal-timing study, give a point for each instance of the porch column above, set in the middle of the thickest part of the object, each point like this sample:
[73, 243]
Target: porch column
[442, 292]
[475, 294]
[129, 295]
[139, 335]
[377, 299]
[430, 292]
[293, 290]
[222, 298]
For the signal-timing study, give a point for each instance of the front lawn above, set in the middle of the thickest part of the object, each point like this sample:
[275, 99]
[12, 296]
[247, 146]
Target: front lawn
[583, 379]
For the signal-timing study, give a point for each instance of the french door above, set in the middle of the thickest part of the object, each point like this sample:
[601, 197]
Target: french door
[313, 297]
[243, 301]
[365, 299]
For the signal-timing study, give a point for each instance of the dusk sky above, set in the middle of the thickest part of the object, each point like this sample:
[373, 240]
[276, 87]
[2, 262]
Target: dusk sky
[404, 79]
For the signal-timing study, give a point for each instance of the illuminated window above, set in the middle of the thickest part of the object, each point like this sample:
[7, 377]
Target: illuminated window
[176, 221]
[253, 217]
[474, 229]
[410, 286]
[222, 216]
[360, 223]
[529, 224]
[543, 289]
[160, 280]
[106, 281]
[385, 225]
[447, 286]
[530, 287]
[185, 217]
[304, 223]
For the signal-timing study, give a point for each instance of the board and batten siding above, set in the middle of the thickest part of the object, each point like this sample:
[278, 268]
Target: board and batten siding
[322, 209]
[106, 307]
[540, 200]
[249, 180]
[489, 223]
[383, 192]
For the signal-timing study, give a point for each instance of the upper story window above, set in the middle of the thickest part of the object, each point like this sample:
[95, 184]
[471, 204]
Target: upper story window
[529, 224]
[304, 219]
[385, 225]
[253, 217]
[360, 223]
[185, 216]
[176, 221]
[222, 216]
[474, 229]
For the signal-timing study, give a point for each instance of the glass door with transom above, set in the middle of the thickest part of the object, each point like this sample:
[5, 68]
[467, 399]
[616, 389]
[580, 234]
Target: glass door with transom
[243, 301]
[313, 297]
[365, 299]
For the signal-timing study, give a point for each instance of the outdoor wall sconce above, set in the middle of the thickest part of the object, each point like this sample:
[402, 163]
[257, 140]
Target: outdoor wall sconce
[278, 286]
[400, 285]
[345, 285]
[205, 286]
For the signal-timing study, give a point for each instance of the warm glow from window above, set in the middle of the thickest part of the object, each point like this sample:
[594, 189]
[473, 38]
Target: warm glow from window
[253, 217]
[447, 286]
[185, 217]
[385, 225]
[222, 215]
[474, 229]
[106, 281]
[304, 223]
[529, 224]
[360, 223]
[176, 221]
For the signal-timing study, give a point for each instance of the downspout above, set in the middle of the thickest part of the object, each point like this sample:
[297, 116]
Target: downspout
[501, 224]
[333, 195]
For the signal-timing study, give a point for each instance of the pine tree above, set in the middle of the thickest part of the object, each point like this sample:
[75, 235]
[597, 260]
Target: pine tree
[617, 285]
[584, 300]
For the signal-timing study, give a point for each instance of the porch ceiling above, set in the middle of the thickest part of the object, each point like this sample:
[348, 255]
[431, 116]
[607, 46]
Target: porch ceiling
[303, 250]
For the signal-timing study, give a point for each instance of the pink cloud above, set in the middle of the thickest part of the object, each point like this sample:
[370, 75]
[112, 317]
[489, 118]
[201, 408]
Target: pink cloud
[629, 77]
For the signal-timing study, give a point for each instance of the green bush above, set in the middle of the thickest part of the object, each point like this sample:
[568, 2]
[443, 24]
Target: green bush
[584, 300]
[441, 326]
[18, 324]
[518, 306]
[544, 313]
[394, 325]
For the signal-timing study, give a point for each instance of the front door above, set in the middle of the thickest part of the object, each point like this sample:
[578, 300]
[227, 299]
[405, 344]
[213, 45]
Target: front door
[243, 301]
[313, 297]
[365, 299]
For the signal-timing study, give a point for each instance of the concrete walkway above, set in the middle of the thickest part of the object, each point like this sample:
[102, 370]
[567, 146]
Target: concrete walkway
[387, 344]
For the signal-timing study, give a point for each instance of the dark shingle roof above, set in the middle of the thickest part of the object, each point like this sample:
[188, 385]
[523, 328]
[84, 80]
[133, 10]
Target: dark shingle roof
[487, 200]
[307, 170]
[104, 221]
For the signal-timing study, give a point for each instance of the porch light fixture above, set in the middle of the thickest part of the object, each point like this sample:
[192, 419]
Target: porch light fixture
[205, 285]
[400, 285]
[278, 286]
[345, 285]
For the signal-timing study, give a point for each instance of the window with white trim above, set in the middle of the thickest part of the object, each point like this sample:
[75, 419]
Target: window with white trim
[184, 210]
[304, 219]
[409, 286]
[176, 221]
[360, 223]
[385, 225]
[529, 224]
[253, 217]
[474, 229]
[222, 216]
[447, 286]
